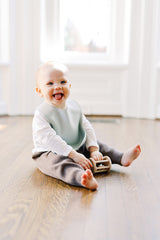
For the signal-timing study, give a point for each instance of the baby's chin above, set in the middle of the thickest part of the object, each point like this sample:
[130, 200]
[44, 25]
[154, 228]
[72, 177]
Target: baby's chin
[61, 103]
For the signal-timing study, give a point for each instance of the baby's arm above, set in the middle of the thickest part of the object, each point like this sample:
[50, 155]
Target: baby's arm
[91, 141]
[80, 159]
[45, 137]
[95, 154]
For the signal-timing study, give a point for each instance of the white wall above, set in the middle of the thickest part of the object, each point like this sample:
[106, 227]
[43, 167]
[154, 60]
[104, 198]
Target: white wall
[129, 89]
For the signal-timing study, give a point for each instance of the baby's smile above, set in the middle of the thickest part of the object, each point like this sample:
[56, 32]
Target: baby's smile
[58, 96]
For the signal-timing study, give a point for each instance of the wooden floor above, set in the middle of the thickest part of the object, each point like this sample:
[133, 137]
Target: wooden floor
[126, 205]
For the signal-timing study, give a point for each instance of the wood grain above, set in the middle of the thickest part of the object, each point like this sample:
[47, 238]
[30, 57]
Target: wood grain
[125, 206]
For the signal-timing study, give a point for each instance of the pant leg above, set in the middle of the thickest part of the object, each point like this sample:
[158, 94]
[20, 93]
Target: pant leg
[114, 155]
[106, 150]
[60, 167]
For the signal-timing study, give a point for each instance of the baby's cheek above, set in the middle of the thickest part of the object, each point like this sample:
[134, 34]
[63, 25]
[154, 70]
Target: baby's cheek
[50, 93]
[67, 94]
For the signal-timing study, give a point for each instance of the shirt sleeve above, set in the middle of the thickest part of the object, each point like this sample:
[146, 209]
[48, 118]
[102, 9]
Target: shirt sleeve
[45, 137]
[91, 139]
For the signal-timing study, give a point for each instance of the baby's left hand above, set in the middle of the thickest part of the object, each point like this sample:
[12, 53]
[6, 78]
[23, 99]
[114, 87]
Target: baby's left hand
[96, 155]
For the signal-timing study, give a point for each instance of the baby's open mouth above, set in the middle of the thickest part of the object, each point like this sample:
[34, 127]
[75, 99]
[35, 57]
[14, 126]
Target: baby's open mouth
[58, 96]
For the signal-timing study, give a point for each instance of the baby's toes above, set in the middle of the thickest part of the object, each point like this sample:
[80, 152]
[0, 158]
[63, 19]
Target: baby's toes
[84, 176]
[84, 181]
[138, 148]
[89, 173]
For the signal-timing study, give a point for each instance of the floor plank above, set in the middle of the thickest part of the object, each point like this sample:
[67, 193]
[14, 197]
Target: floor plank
[125, 206]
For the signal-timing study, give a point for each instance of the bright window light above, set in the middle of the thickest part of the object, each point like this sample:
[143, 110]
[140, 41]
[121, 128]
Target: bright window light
[86, 30]
[85, 26]
[2, 126]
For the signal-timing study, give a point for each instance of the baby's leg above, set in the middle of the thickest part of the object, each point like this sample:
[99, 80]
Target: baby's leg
[114, 155]
[130, 155]
[63, 168]
[124, 159]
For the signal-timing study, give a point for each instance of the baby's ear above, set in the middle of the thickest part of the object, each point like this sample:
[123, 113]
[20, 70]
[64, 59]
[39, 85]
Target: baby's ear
[38, 90]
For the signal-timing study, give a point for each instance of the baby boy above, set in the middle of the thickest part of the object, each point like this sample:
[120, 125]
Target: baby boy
[64, 139]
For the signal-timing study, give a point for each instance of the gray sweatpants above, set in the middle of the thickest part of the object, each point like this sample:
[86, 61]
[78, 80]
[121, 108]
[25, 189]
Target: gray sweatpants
[65, 169]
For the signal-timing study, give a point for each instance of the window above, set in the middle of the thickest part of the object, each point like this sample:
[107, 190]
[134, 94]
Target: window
[85, 26]
[4, 31]
[85, 30]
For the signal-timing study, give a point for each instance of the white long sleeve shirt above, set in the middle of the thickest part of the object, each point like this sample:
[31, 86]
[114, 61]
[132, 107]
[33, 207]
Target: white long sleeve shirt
[46, 139]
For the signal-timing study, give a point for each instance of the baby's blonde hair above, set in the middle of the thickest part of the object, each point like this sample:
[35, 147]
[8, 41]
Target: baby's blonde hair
[47, 66]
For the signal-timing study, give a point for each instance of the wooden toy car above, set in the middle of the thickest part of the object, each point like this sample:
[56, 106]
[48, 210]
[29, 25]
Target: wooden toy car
[102, 165]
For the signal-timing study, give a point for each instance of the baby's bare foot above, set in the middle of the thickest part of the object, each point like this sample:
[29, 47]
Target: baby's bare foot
[88, 180]
[130, 155]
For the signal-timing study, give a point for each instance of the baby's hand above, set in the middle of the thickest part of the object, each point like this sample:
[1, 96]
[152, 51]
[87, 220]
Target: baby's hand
[96, 155]
[80, 159]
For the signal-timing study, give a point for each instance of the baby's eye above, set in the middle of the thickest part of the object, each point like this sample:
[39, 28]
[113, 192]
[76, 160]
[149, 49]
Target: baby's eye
[50, 83]
[63, 81]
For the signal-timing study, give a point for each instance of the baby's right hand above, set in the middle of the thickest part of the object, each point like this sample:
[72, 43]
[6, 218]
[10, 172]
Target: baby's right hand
[80, 159]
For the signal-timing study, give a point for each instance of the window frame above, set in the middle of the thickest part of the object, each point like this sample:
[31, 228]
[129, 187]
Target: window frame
[50, 33]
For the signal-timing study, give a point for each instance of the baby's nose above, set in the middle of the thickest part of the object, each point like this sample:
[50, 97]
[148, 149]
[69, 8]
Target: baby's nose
[57, 86]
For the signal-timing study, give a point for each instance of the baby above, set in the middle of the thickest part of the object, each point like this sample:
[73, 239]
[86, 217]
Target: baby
[64, 139]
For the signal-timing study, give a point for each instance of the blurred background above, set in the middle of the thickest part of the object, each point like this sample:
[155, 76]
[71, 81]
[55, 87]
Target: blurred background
[110, 46]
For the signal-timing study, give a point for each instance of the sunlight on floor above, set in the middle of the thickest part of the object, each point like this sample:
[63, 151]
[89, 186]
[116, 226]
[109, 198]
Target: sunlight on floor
[2, 126]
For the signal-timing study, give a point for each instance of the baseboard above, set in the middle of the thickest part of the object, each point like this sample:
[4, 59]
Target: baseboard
[158, 112]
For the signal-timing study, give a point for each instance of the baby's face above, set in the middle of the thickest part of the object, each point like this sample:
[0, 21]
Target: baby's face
[54, 87]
